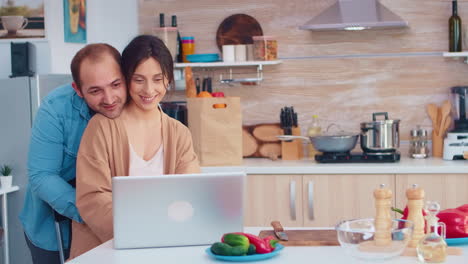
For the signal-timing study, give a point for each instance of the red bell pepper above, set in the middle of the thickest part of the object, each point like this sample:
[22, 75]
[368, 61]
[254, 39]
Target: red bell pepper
[270, 240]
[456, 221]
[405, 213]
[261, 246]
[217, 94]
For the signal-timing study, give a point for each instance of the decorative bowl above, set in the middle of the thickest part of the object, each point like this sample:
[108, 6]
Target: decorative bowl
[357, 238]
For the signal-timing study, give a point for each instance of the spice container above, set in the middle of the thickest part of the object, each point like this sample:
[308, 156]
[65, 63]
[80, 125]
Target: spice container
[419, 144]
[265, 48]
[188, 47]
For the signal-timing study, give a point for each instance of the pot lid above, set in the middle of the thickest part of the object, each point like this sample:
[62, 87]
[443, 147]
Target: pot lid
[376, 121]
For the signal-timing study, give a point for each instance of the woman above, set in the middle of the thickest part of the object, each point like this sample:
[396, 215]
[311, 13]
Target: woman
[142, 141]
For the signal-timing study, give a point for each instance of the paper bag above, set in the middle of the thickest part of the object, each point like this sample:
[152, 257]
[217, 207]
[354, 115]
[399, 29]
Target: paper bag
[216, 132]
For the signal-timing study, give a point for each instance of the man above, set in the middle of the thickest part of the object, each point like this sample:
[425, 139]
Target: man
[98, 87]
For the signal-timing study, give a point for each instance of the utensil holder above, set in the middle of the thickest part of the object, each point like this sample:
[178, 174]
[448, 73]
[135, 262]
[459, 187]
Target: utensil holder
[437, 145]
[292, 150]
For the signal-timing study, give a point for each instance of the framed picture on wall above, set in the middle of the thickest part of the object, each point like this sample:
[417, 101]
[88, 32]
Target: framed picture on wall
[74, 20]
[22, 19]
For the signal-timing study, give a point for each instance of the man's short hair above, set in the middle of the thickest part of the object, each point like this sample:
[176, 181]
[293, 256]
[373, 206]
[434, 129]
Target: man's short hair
[93, 52]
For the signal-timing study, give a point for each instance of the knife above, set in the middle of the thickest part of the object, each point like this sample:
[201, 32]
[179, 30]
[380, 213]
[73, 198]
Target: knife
[197, 84]
[279, 231]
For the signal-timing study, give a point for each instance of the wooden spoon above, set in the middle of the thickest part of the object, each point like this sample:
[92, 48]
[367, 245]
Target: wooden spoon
[445, 126]
[439, 119]
[432, 110]
[445, 113]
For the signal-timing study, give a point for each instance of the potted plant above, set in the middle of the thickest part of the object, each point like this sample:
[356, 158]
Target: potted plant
[5, 176]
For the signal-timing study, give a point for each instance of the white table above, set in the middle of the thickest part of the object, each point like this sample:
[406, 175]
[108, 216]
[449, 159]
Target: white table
[3, 193]
[105, 253]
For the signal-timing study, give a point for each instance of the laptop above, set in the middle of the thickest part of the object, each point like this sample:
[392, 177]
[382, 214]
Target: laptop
[176, 210]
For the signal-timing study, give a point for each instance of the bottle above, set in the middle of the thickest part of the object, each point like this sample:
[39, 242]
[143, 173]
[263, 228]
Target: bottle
[455, 39]
[161, 20]
[432, 248]
[179, 40]
[314, 129]
[188, 47]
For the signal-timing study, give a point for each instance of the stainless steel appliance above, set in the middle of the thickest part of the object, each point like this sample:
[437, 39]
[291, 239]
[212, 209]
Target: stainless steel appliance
[380, 136]
[379, 142]
[456, 143]
[176, 110]
[19, 99]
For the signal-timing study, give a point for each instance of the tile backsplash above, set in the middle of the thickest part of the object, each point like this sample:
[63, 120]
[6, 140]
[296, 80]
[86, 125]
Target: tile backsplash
[341, 76]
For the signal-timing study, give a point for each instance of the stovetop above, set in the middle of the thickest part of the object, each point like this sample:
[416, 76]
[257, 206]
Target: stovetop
[357, 157]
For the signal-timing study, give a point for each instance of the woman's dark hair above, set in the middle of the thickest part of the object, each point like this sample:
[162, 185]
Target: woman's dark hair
[142, 48]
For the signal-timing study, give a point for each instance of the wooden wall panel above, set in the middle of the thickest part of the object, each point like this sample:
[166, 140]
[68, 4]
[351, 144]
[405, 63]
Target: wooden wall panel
[394, 73]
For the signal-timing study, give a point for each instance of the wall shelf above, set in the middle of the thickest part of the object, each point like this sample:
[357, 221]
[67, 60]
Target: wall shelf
[226, 64]
[463, 54]
[230, 79]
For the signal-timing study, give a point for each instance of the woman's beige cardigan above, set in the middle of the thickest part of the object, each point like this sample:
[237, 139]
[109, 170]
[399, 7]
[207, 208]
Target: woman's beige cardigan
[104, 153]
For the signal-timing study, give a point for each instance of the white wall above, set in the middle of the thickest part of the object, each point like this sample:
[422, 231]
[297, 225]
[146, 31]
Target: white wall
[109, 21]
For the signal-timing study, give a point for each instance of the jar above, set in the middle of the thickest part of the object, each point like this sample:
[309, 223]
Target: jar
[169, 36]
[419, 144]
[188, 47]
[265, 48]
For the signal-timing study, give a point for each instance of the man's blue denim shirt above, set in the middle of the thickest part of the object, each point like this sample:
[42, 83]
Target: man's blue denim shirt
[56, 134]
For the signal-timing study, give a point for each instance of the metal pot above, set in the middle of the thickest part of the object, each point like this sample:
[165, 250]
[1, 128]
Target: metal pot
[380, 135]
[329, 143]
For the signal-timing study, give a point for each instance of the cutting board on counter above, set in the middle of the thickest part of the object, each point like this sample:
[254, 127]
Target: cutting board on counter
[306, 237]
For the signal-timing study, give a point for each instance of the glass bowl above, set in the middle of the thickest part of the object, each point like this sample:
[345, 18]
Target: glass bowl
[357, 238]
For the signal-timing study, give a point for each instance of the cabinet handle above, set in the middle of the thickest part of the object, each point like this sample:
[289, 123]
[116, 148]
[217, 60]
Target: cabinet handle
[292, 199]
[311, 200]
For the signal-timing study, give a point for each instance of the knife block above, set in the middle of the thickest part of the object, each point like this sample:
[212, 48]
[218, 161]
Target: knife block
[292, 150]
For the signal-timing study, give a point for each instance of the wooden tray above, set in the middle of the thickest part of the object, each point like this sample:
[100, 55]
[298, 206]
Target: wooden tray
[306, 237]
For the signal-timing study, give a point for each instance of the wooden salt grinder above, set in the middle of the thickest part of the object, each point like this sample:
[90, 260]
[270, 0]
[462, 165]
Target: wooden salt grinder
[383, 220]
[415, 197]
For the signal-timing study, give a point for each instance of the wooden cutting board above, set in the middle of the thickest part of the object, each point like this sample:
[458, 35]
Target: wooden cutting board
[237, 29]
[306, 237]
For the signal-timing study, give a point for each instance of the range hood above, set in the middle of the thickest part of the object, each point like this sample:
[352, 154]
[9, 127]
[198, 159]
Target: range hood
[355, 15]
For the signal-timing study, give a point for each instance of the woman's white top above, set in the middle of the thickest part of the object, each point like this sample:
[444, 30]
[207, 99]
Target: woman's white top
[141, 167]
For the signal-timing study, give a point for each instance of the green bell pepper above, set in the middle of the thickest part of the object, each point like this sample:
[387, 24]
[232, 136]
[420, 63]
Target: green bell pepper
[236, 240]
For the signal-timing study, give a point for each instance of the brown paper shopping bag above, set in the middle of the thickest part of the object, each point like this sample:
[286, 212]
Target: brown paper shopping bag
[216, 132]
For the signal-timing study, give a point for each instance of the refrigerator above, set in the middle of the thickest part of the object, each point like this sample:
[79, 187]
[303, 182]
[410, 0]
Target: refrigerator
[19, 100]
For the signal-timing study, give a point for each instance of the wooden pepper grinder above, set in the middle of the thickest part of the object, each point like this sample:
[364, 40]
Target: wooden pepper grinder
[415, 197]
[383, 220]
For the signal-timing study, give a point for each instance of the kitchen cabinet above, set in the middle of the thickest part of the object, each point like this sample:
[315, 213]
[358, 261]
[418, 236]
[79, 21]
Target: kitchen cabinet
[273, 197]
[327, 199]
[310, 200]
[450, 190]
